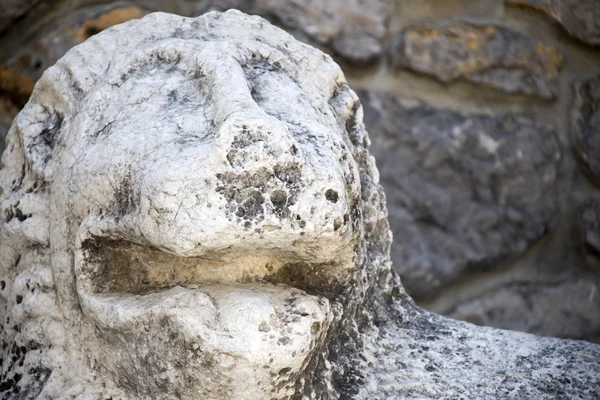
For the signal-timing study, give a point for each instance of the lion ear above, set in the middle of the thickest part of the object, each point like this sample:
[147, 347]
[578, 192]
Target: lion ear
[39, 133]
[55, 100]
[40, 122]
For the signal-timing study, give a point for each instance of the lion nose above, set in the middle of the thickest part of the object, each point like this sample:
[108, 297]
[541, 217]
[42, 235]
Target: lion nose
[254, 143]
[249, 137]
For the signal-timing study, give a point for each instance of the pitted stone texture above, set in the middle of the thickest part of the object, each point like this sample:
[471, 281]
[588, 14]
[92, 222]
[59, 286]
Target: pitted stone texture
[585, 126]
[493, 55]
[581, 18]
[354, 29]
[464, 193]
[559, 306]
[432, 357]
[189, 210]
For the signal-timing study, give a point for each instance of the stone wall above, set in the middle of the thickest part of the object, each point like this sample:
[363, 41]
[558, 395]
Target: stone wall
[484, 117]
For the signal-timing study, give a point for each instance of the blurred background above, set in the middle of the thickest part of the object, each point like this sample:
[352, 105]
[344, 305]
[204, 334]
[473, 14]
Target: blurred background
[484, 117]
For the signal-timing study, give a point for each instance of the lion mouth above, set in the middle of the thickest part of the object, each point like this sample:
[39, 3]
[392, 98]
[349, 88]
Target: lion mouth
[261, 313]
[119, 281]
[125, 268]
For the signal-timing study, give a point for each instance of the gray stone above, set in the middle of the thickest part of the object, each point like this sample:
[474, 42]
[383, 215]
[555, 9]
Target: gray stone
[431, 357]
[585, 126]
[190, 211]
[581, 18]
[497, 56]
[560, 306]
[464, 193]
[354, 29]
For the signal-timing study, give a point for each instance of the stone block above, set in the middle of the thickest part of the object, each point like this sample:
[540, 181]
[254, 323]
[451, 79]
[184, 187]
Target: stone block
[465, 193]
[492, 55]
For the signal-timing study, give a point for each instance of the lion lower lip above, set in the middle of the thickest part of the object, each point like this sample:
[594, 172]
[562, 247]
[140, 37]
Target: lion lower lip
[181, 297]
[248, 320]
[260, 329]
[192, 296]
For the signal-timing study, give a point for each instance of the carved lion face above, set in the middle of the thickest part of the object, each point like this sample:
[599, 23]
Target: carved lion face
[206, 203]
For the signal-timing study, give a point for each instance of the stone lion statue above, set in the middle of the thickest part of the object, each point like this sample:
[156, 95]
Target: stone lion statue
[190, 211]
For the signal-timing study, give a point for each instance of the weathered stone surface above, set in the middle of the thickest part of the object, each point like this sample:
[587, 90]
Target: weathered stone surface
[431, 357]
[354, 29]
[190, 211]
[560, 306]
[497, 56]
[463, 192]
[581, 18]
[585, 126]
